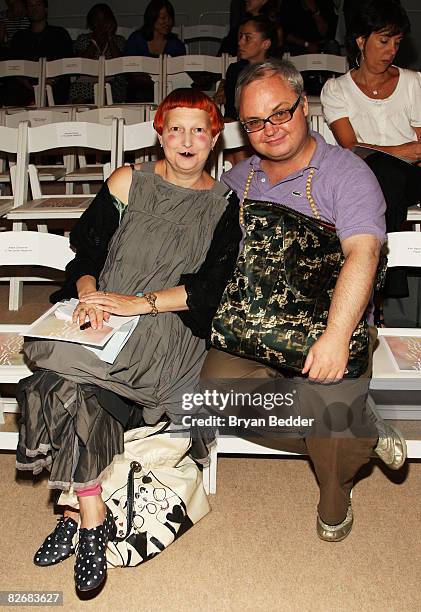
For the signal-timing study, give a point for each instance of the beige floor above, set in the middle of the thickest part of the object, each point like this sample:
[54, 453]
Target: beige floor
[256, 551]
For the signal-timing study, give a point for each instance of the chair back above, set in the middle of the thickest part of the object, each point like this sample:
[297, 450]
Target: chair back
[35, 249]
[204, 38]
[232, 137]
[76, 66]
[319, 61]
[26, 68]
[37, 117]
[132, 64]
[404, 249]
[65, 135]
[176, 69]
[135, 137]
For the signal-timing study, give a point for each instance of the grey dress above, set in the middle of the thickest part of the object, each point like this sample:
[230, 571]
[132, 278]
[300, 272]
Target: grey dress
[165, 232]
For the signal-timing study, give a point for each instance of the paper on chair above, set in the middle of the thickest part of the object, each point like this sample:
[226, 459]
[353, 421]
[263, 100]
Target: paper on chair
[405, 352]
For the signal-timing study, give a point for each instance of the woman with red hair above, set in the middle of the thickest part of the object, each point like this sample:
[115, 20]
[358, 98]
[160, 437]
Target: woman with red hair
[160, 241]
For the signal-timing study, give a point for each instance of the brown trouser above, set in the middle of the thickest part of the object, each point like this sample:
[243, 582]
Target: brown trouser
[336, 460]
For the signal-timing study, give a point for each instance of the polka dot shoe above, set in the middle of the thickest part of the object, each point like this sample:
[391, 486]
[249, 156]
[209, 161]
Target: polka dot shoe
[58, 545]
[91, 563]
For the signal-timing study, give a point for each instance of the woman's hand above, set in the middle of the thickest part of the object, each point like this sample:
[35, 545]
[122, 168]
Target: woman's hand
[84, 313]
[411, 151]
[115, 303]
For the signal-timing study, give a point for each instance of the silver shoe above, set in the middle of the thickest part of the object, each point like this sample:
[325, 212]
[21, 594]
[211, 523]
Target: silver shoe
[335, 533]
[391, 446]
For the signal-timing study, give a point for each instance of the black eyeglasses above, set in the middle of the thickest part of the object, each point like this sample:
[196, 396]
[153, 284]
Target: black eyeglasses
[281, 116]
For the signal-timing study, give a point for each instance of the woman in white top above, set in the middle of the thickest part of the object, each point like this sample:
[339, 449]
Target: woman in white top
[378, 105]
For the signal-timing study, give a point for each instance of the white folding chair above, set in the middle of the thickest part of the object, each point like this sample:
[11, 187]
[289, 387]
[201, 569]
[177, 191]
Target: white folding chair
[36, 118]
[59, 136]
[25, 68]
[204, 39]
[318, 124]
[12, 369]
[232, 137]
[22, 249]
[71, 66]
[176, 69]
[139, 137]
[19, 249]
[395, 388]
[9, 146]
[337, 64]
[132, 64]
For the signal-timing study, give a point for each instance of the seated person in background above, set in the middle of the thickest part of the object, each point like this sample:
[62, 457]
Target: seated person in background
[257, 40]
[12, 20]
[102, 40]
[378, 105]
[39, 40]
[309, 26]
[151, 40]
[247, 8]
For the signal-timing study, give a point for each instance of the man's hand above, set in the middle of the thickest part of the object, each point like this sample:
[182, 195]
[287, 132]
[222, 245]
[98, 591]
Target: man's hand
[327, 359]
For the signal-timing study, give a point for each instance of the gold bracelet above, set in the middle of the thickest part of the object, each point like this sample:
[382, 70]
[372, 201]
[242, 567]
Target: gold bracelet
[151, 299]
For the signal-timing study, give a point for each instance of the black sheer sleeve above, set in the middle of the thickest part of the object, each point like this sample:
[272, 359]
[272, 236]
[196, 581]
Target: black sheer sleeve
[89, 239]
[205, 288]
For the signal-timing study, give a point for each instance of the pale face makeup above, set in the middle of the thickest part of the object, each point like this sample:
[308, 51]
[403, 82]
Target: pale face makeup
[187, 140]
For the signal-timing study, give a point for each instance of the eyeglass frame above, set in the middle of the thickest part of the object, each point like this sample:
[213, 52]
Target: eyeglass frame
[291, 112]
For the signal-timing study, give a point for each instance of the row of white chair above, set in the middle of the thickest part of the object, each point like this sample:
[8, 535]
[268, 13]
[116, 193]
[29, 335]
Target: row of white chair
[166, 72]
[191, 35]
[38, 117]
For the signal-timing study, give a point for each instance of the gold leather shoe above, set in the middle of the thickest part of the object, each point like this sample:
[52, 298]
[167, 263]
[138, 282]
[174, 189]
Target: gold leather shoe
[391, 446]
[335, 533]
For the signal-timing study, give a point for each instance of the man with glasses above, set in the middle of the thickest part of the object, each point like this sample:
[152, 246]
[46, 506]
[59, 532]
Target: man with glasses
[273, 110]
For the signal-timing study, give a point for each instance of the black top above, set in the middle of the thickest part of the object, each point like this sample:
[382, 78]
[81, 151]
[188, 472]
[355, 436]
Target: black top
[92, 233]
[53, 42]
[231, 79]
[297, 20]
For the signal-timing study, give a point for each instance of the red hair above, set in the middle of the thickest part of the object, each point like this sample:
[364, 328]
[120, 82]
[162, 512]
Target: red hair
[189, 98]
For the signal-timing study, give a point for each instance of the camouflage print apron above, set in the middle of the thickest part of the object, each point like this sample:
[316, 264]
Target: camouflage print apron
[277, 302]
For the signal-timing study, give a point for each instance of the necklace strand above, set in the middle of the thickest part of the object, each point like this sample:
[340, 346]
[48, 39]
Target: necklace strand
[309, 196]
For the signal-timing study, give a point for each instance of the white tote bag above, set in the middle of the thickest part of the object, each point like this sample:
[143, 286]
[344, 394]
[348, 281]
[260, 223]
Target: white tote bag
[155, 492]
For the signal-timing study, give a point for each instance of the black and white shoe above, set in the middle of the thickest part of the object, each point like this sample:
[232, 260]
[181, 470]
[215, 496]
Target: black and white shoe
[58, 546]
[91, 562]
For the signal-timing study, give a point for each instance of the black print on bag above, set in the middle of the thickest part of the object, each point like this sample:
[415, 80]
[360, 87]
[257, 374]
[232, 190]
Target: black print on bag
[157, 517]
